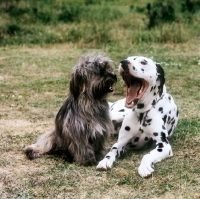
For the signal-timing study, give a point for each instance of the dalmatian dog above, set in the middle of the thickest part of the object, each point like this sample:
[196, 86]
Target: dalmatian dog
[147, 113]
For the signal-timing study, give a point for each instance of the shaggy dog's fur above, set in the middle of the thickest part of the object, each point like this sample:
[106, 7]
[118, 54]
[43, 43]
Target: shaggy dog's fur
[82, 124]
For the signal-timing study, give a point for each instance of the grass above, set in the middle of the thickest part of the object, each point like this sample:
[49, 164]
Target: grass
[90, 23]
[36, 58]
[34, 83]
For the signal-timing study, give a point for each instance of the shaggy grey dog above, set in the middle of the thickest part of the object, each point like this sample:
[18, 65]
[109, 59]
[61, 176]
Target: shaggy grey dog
[82, 125]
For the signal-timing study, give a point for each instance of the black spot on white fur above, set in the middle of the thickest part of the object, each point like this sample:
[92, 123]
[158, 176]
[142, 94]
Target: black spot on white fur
[155, 134]
[163, 127]
[164, 138]
[170, 130]
[141, 117]
[160, 145]
[164, 118]
[140, 106]
[136, 139]
[153, 103]
[144, 62]
[141, 130]
[160, 109]
[127, 128]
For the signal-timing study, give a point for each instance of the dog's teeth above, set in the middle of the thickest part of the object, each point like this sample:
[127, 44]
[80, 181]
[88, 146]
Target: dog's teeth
[141, 89]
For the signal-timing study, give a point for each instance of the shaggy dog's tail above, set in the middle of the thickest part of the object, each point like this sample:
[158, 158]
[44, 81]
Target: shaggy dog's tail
[45, 143]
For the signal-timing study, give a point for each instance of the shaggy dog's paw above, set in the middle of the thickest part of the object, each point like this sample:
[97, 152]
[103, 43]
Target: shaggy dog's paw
[89, 162]
[104, 165]
[87, 158]
[31, 153]
[145, 170]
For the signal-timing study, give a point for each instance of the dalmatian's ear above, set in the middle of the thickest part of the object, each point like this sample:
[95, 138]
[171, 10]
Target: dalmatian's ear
[161, 77]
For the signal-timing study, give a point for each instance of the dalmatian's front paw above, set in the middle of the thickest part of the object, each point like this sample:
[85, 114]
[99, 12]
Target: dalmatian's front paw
[104, 165]
[145, 170]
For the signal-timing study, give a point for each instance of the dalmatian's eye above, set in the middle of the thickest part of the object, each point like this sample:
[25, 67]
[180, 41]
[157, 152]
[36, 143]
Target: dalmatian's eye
[144, 62]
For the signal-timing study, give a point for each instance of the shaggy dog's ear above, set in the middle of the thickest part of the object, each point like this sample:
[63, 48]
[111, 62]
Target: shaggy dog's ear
[161, 77]
[77, 84]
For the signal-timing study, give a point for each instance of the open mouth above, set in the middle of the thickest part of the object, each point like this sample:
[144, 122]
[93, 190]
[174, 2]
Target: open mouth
[135, 89]
[110, 89]
[112, 80]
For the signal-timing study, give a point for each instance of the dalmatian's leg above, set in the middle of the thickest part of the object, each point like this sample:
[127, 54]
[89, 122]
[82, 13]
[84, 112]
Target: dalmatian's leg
[117, 114]
[125, 136]
[118, 111]
[163, 150]
[116, 150]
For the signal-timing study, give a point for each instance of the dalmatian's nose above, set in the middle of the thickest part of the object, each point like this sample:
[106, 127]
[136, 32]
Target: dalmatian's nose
[124, 63]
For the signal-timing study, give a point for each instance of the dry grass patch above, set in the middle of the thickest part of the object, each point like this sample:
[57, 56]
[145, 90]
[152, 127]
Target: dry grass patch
[34, 83]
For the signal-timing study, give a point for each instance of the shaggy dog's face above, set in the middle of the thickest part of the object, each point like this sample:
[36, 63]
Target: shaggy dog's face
[95, 78]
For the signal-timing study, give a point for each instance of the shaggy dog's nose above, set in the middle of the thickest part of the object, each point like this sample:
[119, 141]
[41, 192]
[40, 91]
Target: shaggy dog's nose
[124, 63]
[114, 76]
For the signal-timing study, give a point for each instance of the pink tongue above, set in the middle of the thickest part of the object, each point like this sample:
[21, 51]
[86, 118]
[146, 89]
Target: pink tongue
[131, 92]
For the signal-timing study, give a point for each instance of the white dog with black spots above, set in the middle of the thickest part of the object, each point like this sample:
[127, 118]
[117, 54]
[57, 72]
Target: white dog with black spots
[147, 113]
